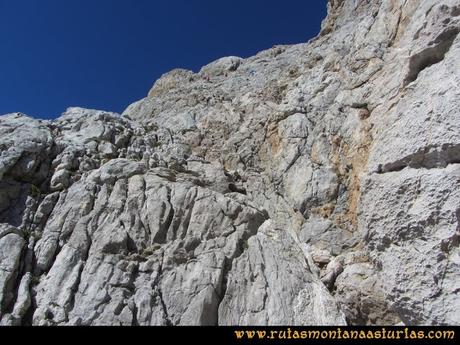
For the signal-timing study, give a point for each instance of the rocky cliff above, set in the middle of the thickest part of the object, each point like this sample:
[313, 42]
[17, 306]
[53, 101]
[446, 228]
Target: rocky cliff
[310, 184]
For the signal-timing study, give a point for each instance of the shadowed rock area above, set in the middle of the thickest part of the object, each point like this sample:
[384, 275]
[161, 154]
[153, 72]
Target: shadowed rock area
[312, 184]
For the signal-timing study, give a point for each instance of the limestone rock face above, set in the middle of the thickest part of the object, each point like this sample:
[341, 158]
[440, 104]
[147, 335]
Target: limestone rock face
[313, 184]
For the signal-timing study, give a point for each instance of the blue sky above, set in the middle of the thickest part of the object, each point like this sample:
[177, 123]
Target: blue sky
[106, 54]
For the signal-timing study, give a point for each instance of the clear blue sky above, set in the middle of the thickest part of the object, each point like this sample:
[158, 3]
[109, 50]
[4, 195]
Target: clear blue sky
[106, 54]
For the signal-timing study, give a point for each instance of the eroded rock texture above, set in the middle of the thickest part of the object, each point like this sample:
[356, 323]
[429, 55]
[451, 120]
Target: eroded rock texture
[310, 184]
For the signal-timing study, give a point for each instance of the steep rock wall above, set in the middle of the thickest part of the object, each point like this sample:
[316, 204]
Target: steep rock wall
[310, 184]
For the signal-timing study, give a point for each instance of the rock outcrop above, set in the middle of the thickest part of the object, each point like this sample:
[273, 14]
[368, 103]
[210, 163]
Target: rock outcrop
[313, 184]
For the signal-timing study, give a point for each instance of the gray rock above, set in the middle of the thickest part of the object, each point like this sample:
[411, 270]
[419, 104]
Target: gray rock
[222, 66]
[316, 183]
[417, 247]
[11, 246]
[268, 285]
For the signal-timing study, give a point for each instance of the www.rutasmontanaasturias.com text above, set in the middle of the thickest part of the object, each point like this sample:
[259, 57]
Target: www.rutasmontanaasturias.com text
[339, 333]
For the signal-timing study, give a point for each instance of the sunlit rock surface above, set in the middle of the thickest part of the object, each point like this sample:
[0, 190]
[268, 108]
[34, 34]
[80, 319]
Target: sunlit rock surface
[314, 184]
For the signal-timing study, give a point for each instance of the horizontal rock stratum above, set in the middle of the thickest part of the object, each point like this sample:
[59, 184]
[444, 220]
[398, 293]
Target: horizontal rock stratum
[312, 184]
